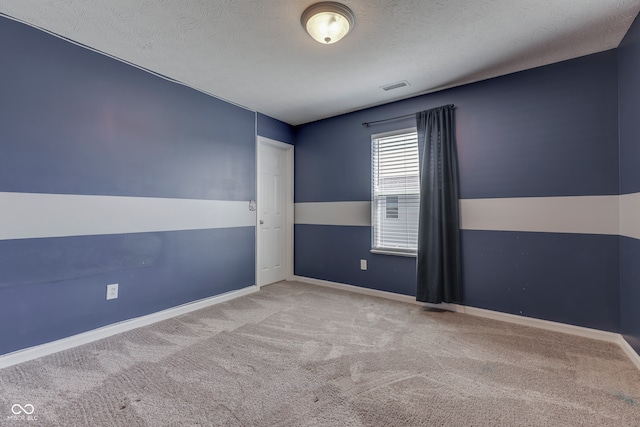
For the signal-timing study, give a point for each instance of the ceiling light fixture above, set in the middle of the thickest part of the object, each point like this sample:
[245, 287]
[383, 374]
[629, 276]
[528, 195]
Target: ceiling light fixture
[327, 21]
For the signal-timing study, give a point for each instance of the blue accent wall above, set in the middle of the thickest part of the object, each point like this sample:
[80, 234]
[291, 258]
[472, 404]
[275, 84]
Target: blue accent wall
[275, 129]
[333, 160]
[629, 104]
[73, 121]
[549, 131]
[630, 291]
[347, 246]
[77, 122]
[568, 278]
[56, 287]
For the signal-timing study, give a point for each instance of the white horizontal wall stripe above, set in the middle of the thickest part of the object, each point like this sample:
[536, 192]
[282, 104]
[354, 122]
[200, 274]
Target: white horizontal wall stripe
[580, 214]
[334, 213]
[34, 215]
[630, 215]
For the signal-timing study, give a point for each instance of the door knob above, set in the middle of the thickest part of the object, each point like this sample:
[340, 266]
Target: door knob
[261, 222]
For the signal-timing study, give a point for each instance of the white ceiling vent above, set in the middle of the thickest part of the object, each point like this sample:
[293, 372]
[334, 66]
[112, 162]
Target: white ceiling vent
[396, 85]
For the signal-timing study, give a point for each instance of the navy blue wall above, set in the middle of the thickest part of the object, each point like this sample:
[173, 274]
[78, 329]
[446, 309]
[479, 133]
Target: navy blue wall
[275, 129]
[629, 98]
[571, 278]
[75, 122]
[630, 291]
[55, 287]
[550, 131]
[331, 253]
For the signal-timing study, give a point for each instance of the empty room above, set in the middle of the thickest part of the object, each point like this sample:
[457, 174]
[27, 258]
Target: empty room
[299, 213]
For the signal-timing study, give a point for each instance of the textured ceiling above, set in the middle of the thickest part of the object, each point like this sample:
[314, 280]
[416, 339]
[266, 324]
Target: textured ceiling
[256, 54]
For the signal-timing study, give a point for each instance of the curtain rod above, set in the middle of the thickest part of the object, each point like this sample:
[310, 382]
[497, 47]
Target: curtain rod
[366, 124]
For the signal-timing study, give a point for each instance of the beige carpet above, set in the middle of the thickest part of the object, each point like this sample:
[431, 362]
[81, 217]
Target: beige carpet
[299, 355]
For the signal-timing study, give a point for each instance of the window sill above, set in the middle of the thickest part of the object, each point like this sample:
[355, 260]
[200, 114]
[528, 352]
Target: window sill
[394, 253]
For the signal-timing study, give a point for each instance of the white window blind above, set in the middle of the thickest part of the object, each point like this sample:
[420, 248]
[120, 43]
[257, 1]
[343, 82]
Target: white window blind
[395, 192]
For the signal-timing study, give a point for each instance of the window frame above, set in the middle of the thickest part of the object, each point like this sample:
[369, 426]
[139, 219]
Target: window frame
[386, 250]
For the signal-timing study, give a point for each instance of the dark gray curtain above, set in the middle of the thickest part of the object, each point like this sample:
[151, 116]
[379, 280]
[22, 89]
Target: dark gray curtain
[439, 270]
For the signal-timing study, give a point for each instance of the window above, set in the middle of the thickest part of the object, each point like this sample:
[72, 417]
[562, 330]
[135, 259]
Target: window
[395, 187]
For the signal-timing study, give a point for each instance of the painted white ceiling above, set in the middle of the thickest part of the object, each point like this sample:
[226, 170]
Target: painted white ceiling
[255, 52]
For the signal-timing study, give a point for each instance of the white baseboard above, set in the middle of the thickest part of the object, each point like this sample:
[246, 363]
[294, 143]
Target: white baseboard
[544, 324]
[35, 352]
[375, 293]
[629, 351]
[489, 314]
[116, 328]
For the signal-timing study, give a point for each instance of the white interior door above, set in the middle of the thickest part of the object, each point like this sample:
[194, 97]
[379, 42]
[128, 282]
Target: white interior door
[274, 223]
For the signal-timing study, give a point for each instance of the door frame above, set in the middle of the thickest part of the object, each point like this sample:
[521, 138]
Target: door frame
[289, 210]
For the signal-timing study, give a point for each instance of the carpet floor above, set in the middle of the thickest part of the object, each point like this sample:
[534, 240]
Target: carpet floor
[300, 355]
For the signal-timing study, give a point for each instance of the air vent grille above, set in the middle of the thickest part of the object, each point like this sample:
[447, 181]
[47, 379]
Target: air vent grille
[395, 85]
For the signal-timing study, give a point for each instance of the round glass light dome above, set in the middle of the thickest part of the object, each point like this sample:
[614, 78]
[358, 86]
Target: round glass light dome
[327, 22]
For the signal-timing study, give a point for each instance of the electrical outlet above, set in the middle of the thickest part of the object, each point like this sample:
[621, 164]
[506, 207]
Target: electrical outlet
[112, 291]
[363, 264]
